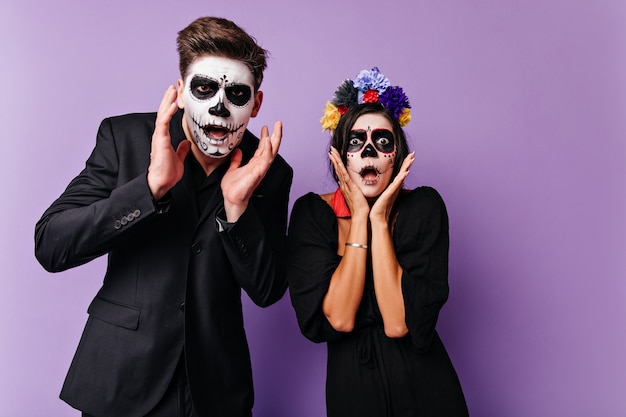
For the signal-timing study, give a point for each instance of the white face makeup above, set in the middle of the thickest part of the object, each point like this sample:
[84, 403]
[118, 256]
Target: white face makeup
[218, 98]
[371, 154]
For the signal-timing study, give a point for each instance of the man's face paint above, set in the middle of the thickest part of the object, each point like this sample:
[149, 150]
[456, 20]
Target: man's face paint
[218, 98]
[371, 154]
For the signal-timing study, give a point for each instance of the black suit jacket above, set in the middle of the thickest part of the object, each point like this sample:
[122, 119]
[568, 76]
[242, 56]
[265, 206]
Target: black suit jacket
[172, 278]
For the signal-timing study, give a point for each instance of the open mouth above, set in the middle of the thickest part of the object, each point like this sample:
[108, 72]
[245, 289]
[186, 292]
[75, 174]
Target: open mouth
[217, 133]
[369, 174]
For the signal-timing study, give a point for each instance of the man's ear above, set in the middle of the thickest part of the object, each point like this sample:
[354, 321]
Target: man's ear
[179, 88]
[258, 100]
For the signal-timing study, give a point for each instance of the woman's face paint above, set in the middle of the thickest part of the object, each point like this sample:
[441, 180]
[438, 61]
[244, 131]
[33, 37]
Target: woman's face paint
[218, 98]
[371, 154]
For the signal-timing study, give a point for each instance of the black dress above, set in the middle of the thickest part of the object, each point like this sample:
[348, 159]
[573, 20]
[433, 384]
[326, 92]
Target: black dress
[368, 373]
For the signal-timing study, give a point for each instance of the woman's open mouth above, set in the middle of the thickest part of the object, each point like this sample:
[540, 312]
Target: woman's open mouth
[370, 175]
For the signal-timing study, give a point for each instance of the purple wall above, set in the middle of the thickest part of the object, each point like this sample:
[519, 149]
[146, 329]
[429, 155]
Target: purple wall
[519, 121]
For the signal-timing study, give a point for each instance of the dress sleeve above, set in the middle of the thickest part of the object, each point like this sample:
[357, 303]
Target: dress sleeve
[312, 259]
[422, 244]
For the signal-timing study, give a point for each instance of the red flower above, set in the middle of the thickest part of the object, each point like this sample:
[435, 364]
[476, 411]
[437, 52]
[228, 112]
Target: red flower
[342, 109]
[370, 96]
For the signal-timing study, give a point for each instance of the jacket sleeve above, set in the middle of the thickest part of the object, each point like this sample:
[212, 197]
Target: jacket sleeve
[422, 251]
[94, 212]
[256, 244]
[312, 261]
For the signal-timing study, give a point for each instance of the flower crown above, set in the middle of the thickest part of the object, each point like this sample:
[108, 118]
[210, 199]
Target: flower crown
[368, 87]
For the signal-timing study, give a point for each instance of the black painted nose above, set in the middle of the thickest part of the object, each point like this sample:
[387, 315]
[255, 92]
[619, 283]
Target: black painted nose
[369, 152]
[219, 110]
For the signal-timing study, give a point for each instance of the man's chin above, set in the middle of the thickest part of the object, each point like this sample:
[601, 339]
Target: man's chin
[217, 152]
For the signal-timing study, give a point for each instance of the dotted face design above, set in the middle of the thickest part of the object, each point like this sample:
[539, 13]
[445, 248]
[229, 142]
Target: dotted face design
[218, 100]
[371, 154]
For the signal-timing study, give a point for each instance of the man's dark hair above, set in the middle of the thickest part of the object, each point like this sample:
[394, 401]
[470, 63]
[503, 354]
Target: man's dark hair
[220, 37]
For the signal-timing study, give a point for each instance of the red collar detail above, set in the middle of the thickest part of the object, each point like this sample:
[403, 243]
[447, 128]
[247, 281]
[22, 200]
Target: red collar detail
[338, 203]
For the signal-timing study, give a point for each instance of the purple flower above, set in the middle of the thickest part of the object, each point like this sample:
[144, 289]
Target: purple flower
[394, 99]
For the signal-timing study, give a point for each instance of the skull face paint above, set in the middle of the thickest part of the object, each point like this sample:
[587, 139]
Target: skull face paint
[218, 98]
[371, 154]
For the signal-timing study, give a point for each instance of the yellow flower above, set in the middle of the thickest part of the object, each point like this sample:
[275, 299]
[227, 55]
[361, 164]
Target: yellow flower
[331, 117]
[405, 117]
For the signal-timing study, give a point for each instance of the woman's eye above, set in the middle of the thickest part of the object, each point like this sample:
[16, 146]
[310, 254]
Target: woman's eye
[383, 141]
[356, 140]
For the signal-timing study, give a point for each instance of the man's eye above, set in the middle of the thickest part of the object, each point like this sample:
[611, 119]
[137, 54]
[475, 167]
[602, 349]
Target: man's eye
[239, 94]
[203, 89]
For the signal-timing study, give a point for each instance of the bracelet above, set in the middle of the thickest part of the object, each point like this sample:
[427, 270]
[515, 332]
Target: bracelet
[356, 245]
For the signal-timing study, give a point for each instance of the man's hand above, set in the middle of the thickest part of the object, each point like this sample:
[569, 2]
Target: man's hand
[166, 165]
[239, 182]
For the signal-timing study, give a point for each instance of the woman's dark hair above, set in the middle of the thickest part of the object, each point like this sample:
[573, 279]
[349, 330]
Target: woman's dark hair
[341, 135]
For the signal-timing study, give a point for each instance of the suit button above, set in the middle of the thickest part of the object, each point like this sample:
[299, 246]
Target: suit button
[118, 224]
[137, 213]
[182, 306]
[195, 249]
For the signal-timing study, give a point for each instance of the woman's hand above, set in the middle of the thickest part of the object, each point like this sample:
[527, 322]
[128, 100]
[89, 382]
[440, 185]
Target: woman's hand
[356, 201]
[381, 210]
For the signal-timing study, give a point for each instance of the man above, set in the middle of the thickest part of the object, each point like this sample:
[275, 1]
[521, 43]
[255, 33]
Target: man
[190, 207]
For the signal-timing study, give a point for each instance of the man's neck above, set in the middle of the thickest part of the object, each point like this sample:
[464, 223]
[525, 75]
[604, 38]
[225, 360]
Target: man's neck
[207, 163]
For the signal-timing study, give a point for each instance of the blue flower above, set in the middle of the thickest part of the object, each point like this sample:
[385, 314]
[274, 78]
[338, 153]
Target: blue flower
[371, 80]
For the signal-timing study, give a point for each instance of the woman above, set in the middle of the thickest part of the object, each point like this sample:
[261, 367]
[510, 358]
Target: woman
[368, 265]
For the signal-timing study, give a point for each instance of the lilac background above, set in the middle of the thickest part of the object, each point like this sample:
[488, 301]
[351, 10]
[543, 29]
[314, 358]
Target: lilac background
[518, 122]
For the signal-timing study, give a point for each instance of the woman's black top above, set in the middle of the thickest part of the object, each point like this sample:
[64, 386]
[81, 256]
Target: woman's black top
[368, 373]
